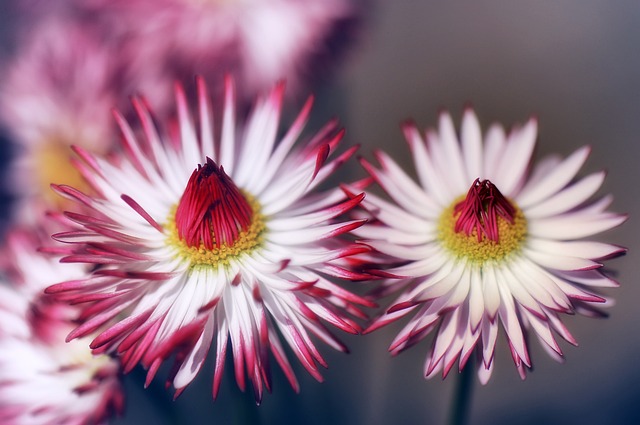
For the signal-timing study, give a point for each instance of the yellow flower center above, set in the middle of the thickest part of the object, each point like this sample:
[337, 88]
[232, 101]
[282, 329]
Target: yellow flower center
[52, 166]
[200, 256]
[481, 249]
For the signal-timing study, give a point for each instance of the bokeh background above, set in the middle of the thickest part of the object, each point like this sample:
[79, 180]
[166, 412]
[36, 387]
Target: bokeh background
[575, 64]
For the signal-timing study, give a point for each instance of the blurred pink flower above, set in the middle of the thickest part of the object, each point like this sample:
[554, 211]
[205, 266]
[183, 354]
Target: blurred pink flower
[58, 90]
[201, 239]
[259, 42]
[43, 379]
[479, 243]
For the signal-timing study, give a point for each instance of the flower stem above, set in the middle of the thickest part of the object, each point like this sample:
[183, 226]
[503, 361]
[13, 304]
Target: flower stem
[461, 403]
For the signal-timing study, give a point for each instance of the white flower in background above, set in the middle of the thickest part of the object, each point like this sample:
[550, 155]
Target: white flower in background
[479, 243]
[43, 379]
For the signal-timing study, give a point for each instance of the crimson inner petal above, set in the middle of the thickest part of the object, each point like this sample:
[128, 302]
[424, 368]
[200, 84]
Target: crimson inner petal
[480, 211]
[212, 211]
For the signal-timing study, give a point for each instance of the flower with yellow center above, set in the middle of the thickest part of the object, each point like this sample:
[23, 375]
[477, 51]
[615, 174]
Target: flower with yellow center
[45, 380]
[204, 240]
[57, 91]
[478, 244]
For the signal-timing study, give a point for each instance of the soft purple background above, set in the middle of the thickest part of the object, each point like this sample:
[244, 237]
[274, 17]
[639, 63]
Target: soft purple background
[576, 65]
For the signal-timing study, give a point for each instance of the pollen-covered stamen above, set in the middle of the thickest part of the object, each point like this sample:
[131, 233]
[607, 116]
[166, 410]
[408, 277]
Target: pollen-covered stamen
[212, 211]
[480, 210]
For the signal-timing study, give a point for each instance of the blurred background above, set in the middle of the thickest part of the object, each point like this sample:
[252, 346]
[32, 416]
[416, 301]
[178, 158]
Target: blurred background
[576, 66]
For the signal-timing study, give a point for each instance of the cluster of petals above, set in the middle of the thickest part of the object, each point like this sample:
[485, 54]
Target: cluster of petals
[43, 379]
[56, 90]
[154, 293]
[259, 42]
[461, 299]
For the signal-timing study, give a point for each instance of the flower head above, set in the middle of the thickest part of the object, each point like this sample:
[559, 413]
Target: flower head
[57, 91]
[202, 239]
[43, 379]
[479, 243]
[260, 42]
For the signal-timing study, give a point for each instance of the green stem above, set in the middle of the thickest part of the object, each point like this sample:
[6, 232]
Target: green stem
[461, 403]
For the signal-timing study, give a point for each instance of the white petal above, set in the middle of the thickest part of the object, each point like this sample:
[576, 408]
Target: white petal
[575, 292]
[511, 281]
[559, 327]
[184, 306]
[490, 290]
[228, 137]
[573, 226]
[260, 138]
[476, 299]
[560, 262]
[588, 277]
[395, 236]
[598, 206]
[193, 363]
[311, 234]
[489, 338]
[314, 202]
[413, 253]
[541, 169]
[284, 191]
[453, 285]
[403, 189]
[484, 373]
[568, 198]
[471, 136]
[555, 180]
[543, 331]
[455, 165]
[460, 290]
[446, 335]
[283, 148]
[494, 146]
[584, 249]
[430, 179]
[440, 163]
[515, 158]
[399, 217]
[191, 155]
[512, 326]
[423, 267]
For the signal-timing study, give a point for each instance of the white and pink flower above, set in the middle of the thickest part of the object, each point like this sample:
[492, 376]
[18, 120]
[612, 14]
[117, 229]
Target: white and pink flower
[43, 379]
[478, 243]
[214, 235]
[57, 90]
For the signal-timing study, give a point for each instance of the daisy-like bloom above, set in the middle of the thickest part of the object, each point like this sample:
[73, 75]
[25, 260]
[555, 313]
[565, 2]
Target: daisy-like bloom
[259, 41]
[479, 243]
[57, 90]
[202, 238]
[44, 380]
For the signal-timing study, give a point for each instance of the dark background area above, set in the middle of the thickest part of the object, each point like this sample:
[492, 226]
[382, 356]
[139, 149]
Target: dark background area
[575, 65]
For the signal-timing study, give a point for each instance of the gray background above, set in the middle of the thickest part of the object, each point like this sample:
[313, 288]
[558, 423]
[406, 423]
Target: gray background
[574, 64]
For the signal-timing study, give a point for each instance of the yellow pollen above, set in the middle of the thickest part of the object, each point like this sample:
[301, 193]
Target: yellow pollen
[201, 256]
[52, 165]
[511, 236]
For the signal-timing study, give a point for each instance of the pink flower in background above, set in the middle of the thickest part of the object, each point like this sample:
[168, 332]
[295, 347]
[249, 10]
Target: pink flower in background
[57, 90]
[212, 235]
[43, 379]
[259, 42]
[479, 243]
